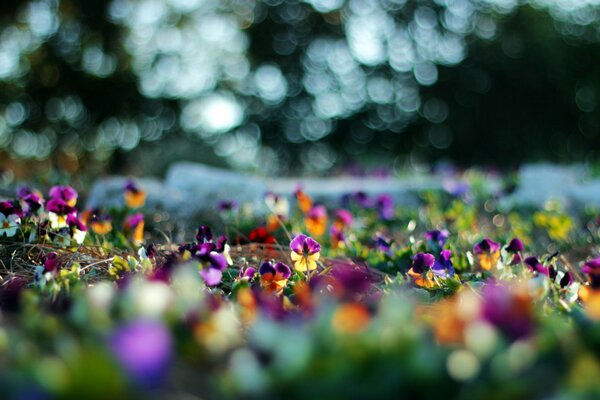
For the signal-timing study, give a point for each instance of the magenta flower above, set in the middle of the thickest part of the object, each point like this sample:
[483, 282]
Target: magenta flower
[515, 246]
[11, 208]
[65, 193]
[51, 262]
[509, 310]
[536, 266]
[592, 269]
[144, 349]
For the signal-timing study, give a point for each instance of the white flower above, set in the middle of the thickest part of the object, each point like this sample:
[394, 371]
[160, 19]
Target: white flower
[79, 236]
[9, 225]
[57, 221]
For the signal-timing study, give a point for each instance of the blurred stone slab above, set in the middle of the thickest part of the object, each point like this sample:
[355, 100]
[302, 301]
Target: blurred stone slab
[108, 192]
[329, 191]
[586, 194]
[539, 183]
[202, 187]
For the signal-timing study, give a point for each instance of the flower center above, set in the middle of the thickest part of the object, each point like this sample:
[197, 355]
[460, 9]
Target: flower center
[5, 224]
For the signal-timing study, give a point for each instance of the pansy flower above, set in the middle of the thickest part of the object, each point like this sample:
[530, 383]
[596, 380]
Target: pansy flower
[145, 350]
[77, 227]
[536, 266]
[247, 273]
[50, 262]
[343, 219]
[11, 208]
[420, 271]
[134, 196]
[515, 247]
[32, 200]
[487, 253]
[590, 294]
[382, 243]
[58, 211]
[204, 234]
[274, 277]
[443, 266]
[9, 225]
[316, 220]
[99, 222]
[305, 253]
[65, 193]
[385, 207]
[437, 238]
[304, 201]
[223, 247]
[226, 206]
[261, 235]
[338, 238]
[134, 224]
[510, 309]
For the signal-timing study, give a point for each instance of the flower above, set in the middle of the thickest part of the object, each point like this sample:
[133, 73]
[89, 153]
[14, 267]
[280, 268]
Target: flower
[385, 207]
[343, 219]
[58, 211]
[590, 295]
[51, 262]
[337, 235]
[420, 271]
[443, 265]
[304, 201]
[536, 266]
[278, 205]
[260, 235]
[510, 309]
[134, 224]
[9, 225]
[227, 206]
[144, 350]
[134, 196]
[98, 221]
[204, 234]
[213, 265]
[11, 207]
[351, 318]
[487, 253]
[305, 253]
[436, 237]
[78, 228]
[273, 278]
[316, 220]
[515, 246]
[66, 194]
[32, 200]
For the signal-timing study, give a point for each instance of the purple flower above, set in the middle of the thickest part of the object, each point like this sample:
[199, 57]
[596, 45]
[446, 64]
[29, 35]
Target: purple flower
[486, 246]
[302, 244]
[508, 309]
[31, 199]
[456, 188]
[566, 280]
[204, 234]
[131, 186]
[144, 349]
[227, 205]
[385, 207]
[11, 208]
[515, 246]
[437, 237]
[59, 207]
[536, 266]
[383, 243]
[592, 269]
[248, 272]
[134, 220]
[422, 262]
[305, 253]
[443, 265]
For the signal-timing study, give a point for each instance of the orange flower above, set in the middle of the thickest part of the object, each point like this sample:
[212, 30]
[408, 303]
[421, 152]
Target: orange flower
[304, 201]
[316, 221]
[134, 196]
[351, 318]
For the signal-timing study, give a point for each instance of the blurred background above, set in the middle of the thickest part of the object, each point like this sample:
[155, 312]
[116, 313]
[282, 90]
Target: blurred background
[296, 87]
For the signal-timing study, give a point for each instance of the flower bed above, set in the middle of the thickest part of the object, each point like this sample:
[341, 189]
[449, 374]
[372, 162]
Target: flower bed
[453, 298]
